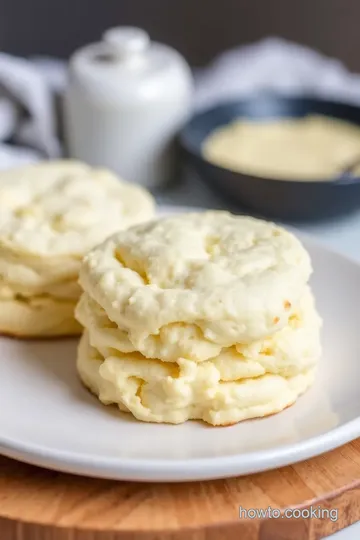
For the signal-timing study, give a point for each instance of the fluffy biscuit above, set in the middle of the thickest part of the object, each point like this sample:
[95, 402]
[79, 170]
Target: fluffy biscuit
[288, 352]
[38, 317]
[51, 214]
[155, 391]
[235, 279]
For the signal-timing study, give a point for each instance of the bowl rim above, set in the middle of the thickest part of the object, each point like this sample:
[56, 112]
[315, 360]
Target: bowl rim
[195, 150]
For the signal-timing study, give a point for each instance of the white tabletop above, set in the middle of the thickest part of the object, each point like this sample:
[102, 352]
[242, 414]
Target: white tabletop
[342, 235]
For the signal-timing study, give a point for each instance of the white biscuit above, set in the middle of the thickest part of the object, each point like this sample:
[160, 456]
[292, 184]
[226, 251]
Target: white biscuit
[155, 391]
[51, 214]
[235, 278]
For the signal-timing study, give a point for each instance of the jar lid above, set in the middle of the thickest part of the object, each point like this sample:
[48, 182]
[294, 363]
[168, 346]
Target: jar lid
[127, 63]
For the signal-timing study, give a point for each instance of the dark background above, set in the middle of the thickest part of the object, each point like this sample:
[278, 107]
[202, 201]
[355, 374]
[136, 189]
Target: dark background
[197, 28]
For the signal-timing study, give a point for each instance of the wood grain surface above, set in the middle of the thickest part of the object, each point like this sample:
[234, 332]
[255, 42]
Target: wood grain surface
[36, 504]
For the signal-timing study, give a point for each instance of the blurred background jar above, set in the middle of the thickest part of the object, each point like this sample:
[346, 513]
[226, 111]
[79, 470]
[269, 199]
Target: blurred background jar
[125, 102]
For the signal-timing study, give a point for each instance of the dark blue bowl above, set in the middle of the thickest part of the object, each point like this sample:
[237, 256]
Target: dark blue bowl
[273, 197]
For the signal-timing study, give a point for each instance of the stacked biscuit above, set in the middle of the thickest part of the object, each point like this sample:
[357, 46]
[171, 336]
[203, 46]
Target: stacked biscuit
[198, 316]
[51, 214]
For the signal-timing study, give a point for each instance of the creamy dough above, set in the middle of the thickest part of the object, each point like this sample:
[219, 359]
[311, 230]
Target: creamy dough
[290, 351]
[38, 316]
[234, 278]
[309, 148]
[155, 391]
[64, 208]
[51, 214]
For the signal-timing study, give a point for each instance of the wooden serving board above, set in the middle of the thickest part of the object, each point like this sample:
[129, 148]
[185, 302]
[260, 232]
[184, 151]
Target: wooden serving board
[36, 504]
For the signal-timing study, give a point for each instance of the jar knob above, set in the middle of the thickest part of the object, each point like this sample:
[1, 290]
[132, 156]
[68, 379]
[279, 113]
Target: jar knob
[126, 40]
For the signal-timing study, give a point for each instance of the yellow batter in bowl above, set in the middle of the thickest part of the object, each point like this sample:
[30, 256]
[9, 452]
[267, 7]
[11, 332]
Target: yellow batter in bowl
[311, 148]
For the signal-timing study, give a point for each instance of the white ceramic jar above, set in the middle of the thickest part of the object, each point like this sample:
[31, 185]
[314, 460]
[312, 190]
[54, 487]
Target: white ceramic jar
[126, 99]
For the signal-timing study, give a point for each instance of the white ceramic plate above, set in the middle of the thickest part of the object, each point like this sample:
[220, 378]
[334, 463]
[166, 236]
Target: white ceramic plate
[47, 418]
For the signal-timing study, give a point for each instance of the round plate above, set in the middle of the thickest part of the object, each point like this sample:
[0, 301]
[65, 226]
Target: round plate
[48, 418]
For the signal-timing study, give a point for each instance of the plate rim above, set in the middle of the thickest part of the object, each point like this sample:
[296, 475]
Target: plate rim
[180, 470]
